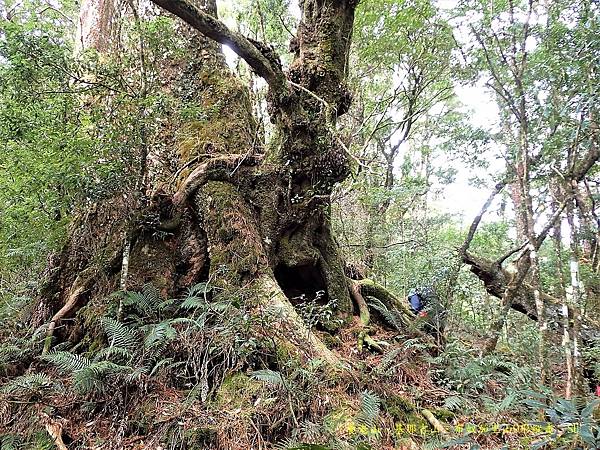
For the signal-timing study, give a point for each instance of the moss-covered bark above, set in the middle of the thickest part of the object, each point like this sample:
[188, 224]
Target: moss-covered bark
[230, 210]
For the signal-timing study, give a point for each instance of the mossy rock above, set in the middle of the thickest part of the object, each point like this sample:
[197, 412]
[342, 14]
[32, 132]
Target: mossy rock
[399, 407]
[237, 392]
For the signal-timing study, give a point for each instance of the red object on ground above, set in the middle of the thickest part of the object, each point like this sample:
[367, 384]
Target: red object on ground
[424, 314]
[597, 391]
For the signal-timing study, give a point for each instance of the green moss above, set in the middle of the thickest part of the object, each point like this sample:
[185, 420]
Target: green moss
[400, 408]
[96, 344]
[443, 414]
[338, 420]
[161, 283]
[237, 392]
[331, 341]
[416, 421]
[223, 122]
[285, 353]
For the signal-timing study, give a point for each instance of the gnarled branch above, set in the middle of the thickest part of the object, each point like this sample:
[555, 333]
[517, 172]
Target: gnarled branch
[216, 169]
[217, 31]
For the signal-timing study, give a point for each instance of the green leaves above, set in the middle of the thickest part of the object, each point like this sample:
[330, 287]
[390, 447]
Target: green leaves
[67, 361]
[370, 407]
[31, 383]
[269, 376]
[119, 335]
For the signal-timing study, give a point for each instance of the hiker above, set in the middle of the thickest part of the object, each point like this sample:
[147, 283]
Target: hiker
[416, 303]
[426, 306]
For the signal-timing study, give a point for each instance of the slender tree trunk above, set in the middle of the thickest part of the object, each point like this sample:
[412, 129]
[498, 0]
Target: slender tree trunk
[561, 294]
[578, 388]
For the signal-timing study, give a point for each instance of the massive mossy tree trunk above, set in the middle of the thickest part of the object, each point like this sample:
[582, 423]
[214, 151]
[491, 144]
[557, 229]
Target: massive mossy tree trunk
[244, 216]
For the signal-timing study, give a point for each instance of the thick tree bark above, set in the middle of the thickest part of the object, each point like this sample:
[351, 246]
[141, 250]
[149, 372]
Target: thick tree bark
[245, 217]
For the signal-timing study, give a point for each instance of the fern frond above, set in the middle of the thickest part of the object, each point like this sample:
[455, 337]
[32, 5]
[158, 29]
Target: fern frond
[66, 361]
[117, 353]
[93, 378]
[392, 317]
[507, 403]
[200, 288]
[387, 361]
[453, 403]
[434, 442]
[10, 353]
[9, 442]
[146, 303]
[169, 304]
[198, 323]
[415, 344]
[221, 307]
[193, 302]
[120, 335]
[30, 383]
[159, 334]
[159, 364]
[288, 444]
[370, 405]
[137, 373]
[268, 376]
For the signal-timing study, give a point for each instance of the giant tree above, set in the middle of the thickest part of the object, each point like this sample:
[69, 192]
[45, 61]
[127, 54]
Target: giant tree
[245, 215]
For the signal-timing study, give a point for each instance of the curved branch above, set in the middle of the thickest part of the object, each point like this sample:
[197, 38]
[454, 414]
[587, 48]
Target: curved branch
[216, 169]
[496, 281]
[473, 228]
[217, 31]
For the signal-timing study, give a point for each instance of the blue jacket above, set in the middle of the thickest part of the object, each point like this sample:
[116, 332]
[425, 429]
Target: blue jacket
[416, 303]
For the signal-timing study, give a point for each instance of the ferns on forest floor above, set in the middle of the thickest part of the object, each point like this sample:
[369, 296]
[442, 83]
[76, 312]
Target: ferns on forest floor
[28, 384]
[154, 336]
[370, 406]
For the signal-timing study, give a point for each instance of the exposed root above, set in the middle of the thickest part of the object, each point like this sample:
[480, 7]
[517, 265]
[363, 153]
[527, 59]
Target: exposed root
[291, 330]
[54, 428]
[81, 284]
[392, 302]
[363, 308]
[372, 289]
[365, 317]
[236, 248]
[365, 339]
[437, 426]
